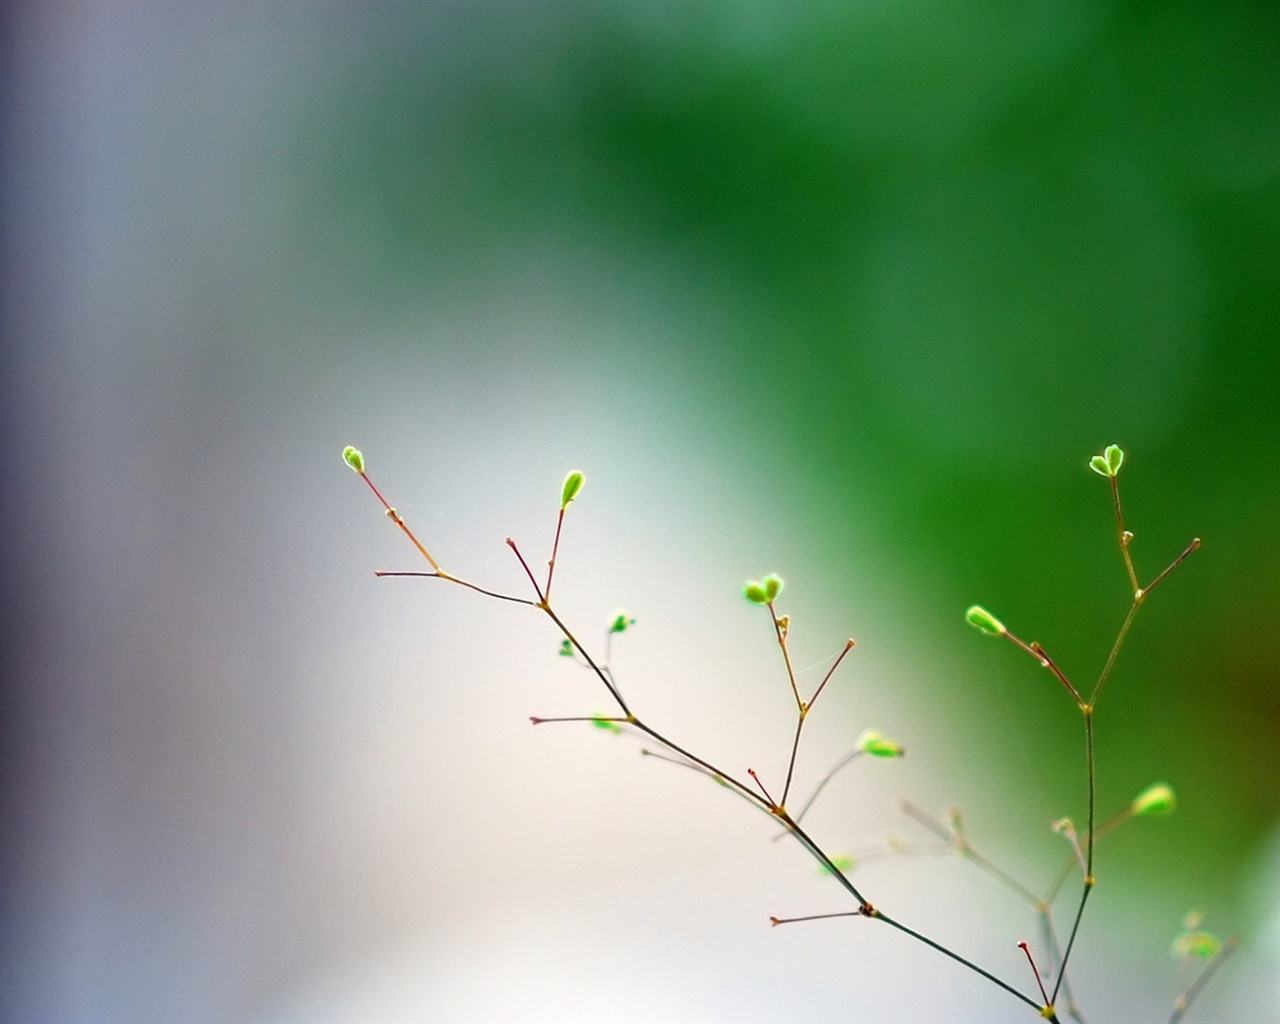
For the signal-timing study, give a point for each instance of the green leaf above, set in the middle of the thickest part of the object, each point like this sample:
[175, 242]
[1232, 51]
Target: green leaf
[871, 742]
[754, 592]
[1099, 465]
[772, 585]
[620, 622]
[979, 618]
[1114, 455]
[1157, 798]
[354, 458]
[572, 485]
[607, 726]
[566, 649]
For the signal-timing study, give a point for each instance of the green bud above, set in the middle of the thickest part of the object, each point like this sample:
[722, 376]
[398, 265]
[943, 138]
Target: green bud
[572, 485]
[1196, 943]
[979, 618]
[1109, 462]
[755, 592]
[620, 622]
[871, 742]
[566, 649]
[843, 863]
[607, 726]
[772, 585]
[1155, 799]
[353, 458]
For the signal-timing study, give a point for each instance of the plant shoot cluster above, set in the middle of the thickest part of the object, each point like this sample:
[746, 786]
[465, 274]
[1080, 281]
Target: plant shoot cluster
[1199, 952]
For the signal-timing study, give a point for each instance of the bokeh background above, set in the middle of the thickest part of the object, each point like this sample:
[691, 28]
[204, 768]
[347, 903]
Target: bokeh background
[849, 292]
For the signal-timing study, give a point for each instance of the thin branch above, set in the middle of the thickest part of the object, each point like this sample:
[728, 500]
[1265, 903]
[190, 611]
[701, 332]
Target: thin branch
[795, 749]
[542, 600]
[962, 960]
[461, 583]
[831, 671]
[1075, 928]
[1195, 543]
[1185, 1000]
[786, 655]
[555, 550]
[396, 518]
[1124, 535]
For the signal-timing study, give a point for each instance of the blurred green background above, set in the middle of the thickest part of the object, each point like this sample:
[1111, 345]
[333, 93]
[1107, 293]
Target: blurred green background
[844, 291]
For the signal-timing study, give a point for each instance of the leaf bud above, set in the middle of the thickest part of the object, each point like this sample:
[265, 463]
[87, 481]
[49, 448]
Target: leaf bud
[979, 618]
[871, 742]
[1155, 799]
[569, 491]
[620, 621]
[354, 458]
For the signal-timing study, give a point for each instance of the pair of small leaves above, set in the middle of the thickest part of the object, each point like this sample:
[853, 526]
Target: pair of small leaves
[354, 458]
[763, 591]
[1109, 462]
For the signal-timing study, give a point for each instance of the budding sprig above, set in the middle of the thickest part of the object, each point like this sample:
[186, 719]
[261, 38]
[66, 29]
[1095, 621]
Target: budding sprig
[1107, 465]
[354, 458]
[1155, 800]
[570, 645]
[1194, 944]
[765, 592]
[870, 743]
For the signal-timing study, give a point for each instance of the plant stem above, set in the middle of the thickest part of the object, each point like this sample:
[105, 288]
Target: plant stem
[1075, 928]
[555, 549]
[395, 518]
[1184, 1001]
[461, 583]
[542, 600]
[1125, 538]
[1115, 651]
[795, 749]
[961, 960]
[786, 656]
